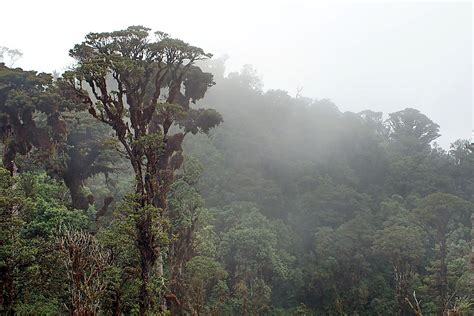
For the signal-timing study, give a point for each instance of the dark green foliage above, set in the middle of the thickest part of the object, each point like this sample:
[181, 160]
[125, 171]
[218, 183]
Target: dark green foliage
[289, 207]
[348, 190]
[33, 211]
[42, 125]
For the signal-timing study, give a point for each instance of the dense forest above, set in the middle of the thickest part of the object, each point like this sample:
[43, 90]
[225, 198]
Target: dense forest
[147, 180]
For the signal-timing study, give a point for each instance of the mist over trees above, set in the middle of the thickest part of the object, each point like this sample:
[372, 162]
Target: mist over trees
[147, 180]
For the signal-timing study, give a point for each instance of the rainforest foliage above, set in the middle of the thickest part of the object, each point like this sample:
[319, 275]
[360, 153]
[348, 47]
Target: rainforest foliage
[147, 180]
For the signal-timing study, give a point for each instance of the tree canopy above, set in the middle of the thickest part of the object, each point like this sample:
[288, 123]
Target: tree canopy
[125, 192]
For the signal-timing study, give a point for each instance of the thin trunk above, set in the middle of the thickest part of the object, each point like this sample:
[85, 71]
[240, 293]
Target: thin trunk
[443, 274]
[442, 286]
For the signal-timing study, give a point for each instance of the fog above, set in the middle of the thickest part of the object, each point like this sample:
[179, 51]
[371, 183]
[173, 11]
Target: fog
[299, 171]
[382, 56]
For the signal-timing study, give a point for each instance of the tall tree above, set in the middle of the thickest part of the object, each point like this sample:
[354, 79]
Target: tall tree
[142, 87]
[86, 152]
[39, 118]
[402, 247]
[9, 54]
[411, 130]
[438, 211]
[13, 249]
[24, 95]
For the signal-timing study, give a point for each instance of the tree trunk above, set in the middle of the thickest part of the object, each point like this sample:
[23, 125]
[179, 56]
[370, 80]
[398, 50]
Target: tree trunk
[116, 304]
[144, 296]
[443, 275]
[78, 199]
[148, 255]
[7, 291]
[8, 159]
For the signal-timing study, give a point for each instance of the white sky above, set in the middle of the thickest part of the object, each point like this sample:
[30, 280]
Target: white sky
[383, 56]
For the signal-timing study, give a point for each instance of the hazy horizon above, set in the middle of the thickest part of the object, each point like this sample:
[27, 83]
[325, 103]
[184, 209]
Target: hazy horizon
[379, 56]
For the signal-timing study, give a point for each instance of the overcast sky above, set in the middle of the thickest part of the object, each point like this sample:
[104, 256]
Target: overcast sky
[379, 56]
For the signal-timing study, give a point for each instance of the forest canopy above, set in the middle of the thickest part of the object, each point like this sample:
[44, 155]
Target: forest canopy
[147, 180]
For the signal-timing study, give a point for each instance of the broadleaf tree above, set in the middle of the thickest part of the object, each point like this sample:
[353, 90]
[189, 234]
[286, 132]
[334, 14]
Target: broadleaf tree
[142, 84]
